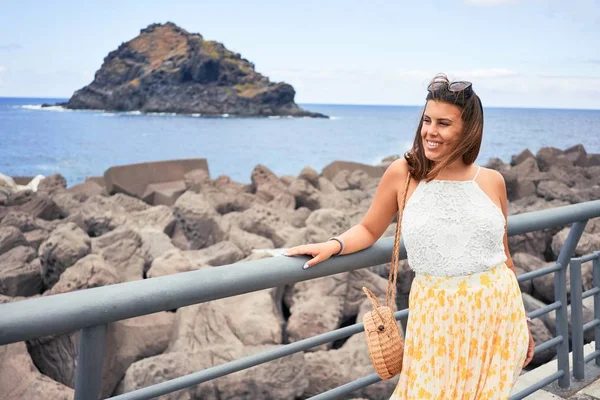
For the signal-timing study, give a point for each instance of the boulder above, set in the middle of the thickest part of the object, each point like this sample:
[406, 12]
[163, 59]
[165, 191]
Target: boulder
[305, 194]
[331, 220]
[100, 215]
[269, 188]
[247, 242]
[52, 184]
[134, 179]
[64, 247]
[198, 220]
[173, 262]
[163, 193]
[310, 175]
[222, 253]
[522, 156]
[20, 379]
[547, 156]
[328, 369]
[10, 237]
[265, 222]
[577, 155]
[87, 189]
[89, 272]
[20, 272]
[121, 248]
[332, 169]
[129, 204]
[155, 243]
[316, 306]
[157, 217]
[195, 180]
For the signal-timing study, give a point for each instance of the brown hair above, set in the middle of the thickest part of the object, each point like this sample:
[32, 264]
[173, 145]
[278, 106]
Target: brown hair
[467, 147]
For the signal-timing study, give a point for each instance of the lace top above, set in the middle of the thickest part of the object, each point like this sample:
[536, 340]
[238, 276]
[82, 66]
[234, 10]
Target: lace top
[452, 228]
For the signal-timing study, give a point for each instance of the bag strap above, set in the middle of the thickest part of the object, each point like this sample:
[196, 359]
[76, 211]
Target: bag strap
[390, 296]
[374, 302]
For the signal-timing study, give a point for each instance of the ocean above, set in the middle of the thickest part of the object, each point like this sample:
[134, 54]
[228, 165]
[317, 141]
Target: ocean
[78, 144]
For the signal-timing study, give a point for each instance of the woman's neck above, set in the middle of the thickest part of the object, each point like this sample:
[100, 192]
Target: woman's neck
[457, 170]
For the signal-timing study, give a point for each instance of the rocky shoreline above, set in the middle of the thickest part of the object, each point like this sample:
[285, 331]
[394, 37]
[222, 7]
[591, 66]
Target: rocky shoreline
[131, 224]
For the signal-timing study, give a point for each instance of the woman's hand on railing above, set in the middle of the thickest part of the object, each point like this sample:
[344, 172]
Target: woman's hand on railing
[318, 251]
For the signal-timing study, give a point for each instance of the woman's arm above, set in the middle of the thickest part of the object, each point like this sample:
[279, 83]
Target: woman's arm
[362, 235]
[500, 187]
[381, 212]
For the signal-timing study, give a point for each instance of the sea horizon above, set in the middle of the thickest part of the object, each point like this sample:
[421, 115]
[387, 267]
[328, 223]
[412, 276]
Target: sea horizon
[64, 99]
[83, 143]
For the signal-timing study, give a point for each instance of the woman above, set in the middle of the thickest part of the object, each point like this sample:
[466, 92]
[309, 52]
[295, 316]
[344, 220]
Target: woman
[467, 335]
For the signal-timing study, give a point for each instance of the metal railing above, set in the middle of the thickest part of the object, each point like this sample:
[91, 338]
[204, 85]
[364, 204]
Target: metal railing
[578, 327]
[92, 309]
[561, 340]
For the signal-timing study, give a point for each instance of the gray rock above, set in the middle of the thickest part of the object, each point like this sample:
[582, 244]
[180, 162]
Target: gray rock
[265, 222]
[199, 221]
[247, 241]
[524, 155]
[129, 203]
[317, 306]
[20, 379]
[64, 247]
[19, 274]
[10, 237]
[89, 272]
[310, 175]
[333, 221]
[222, 253]
[121, 248]
[577, 155]
[157, 217]
[546, 157]
[306, 195]
[173, 262]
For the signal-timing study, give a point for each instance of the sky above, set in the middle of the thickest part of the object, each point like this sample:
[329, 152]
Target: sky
[517, 53]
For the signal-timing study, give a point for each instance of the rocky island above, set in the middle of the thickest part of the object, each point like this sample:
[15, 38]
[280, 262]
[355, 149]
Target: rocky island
[167, 69]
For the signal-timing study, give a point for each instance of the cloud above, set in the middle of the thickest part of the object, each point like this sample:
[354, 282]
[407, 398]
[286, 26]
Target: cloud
[2, 68]
[10, 47]
[486, 3]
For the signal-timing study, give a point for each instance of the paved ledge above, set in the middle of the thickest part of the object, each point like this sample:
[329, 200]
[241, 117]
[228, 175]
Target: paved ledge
[589, 389]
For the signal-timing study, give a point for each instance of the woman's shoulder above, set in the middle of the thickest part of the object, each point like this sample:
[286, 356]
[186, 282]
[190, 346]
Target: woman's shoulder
[398, 168]
[491, 175]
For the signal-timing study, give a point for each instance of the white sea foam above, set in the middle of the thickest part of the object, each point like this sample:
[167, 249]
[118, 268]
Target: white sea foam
[108, 115]
[225, 115]
[196, 115]
[49, 108]
[335, 117]
[133, 113]
[274, 116]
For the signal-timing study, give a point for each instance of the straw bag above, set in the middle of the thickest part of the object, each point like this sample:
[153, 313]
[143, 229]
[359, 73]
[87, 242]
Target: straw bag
[386, 346]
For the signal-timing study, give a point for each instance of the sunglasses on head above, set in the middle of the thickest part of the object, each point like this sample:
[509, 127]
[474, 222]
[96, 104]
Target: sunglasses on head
[454, 87]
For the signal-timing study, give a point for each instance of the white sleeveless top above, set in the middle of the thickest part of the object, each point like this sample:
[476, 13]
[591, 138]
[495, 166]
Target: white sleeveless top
[452, 228]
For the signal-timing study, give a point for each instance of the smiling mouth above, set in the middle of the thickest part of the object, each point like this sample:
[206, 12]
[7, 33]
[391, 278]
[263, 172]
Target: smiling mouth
[432, 144]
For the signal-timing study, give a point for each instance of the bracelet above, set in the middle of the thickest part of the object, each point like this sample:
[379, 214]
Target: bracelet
[341, 242]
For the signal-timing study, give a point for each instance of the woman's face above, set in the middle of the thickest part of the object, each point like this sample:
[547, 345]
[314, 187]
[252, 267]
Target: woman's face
[441, 129]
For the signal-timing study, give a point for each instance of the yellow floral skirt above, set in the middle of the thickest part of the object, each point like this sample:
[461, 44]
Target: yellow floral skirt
[466, 337]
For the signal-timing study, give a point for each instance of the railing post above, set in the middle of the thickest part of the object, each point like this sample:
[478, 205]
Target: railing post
[560, 294]
[596, 282]
[577, 319]
[89, 363]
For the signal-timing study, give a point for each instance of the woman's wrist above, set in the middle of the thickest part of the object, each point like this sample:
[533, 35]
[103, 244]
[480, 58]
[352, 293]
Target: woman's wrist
[339, 244]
